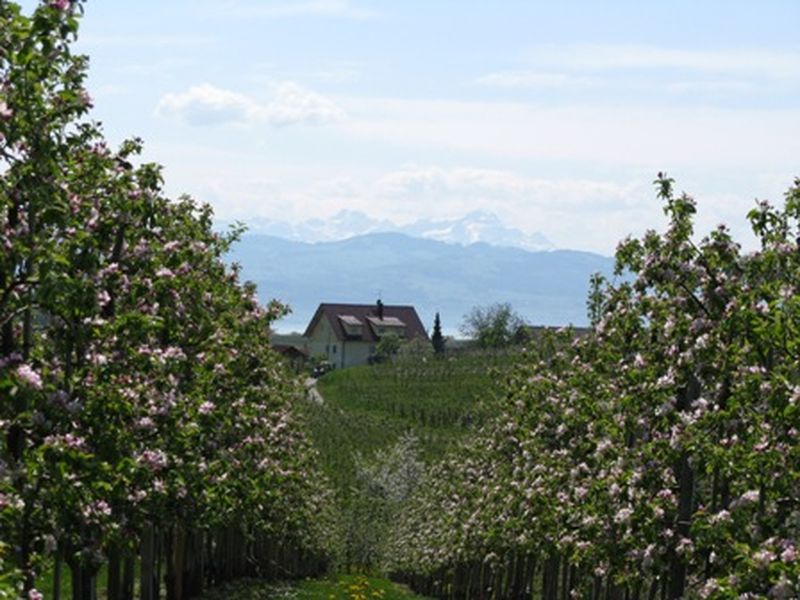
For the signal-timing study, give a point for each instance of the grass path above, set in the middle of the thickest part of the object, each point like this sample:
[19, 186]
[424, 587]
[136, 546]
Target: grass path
[341, 587]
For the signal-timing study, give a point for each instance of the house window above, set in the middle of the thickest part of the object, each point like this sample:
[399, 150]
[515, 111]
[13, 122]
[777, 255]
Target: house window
[334, 349]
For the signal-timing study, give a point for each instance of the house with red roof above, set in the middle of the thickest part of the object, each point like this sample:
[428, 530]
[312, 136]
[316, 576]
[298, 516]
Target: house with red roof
[348, 333]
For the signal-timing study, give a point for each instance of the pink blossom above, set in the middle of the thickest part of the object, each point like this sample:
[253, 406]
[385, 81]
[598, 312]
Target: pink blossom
[684, 547]
[137, 496]
[165, 272]
[763, 558]
[35, 594]
[86, 99]
[749, 497]
[206, 407]
[5, 111]
[103, 298]
[173, 352]
[722, 516]
[623, 515]
[74, 442]
[783, 590]
[665, 494]
[709, 588]
[155, 459]
[98, 508]
[94, 219]
[789, 555]
[98, 359]
[100, 148]
[29, 376]
[101, 507]
[145, 423]
[600, 571]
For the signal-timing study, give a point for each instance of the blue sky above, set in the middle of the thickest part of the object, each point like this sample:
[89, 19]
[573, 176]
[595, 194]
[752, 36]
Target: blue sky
[553, 115]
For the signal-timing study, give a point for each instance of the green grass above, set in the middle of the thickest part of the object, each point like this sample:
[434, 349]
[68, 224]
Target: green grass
[45, 582]
[342, 587]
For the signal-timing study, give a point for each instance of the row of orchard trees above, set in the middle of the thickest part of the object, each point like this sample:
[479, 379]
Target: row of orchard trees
[143, 416]
[658, 458]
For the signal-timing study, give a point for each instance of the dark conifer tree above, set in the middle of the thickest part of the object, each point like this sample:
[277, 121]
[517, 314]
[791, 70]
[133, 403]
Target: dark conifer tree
[437, 339]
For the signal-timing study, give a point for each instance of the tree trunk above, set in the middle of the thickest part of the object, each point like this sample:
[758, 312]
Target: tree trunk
[114, 587]
[148, 567]
[57, 563]
[685, 477]
[128, 575]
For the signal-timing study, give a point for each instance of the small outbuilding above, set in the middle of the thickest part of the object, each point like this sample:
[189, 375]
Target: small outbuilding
[296, 357]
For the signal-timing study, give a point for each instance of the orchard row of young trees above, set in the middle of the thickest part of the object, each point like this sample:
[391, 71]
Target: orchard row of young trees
[657, 458]
[143, 416]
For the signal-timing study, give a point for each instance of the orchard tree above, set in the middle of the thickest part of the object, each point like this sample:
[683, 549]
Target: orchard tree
[388, 346]
[41, 101]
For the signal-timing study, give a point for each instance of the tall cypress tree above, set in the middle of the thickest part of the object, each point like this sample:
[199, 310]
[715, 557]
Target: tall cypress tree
[437, 339]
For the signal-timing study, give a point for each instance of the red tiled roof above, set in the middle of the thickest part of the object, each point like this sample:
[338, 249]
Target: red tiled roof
[332, 312]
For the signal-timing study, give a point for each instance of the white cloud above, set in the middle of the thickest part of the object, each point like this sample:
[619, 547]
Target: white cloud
[206, 104]
[560, 208]
[295, 104]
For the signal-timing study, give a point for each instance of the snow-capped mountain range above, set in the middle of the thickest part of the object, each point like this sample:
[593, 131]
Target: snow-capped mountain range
[474, 227]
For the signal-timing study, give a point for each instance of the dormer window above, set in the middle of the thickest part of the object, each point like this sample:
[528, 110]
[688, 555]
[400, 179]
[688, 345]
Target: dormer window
[387, 325]
[352, 326]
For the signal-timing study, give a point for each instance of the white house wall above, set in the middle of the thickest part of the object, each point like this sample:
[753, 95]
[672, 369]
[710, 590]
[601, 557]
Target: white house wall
[323, 342]
[356, 353]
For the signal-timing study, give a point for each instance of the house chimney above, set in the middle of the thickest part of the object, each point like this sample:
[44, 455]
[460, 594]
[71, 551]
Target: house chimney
[380, 309]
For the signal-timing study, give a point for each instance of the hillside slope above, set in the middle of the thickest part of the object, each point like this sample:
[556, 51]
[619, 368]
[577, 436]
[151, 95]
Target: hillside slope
[548, 288]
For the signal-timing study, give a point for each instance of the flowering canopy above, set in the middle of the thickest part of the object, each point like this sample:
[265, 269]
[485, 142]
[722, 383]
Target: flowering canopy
[138, 386]
[661, 453]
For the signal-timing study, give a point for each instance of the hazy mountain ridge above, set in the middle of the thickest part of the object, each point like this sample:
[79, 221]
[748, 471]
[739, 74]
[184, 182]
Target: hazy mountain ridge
[547, 288]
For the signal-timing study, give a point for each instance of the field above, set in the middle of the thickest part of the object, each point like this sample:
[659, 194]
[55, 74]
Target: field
[367, 408]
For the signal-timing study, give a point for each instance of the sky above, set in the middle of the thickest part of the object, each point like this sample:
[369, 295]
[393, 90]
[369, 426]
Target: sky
[555, 116]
